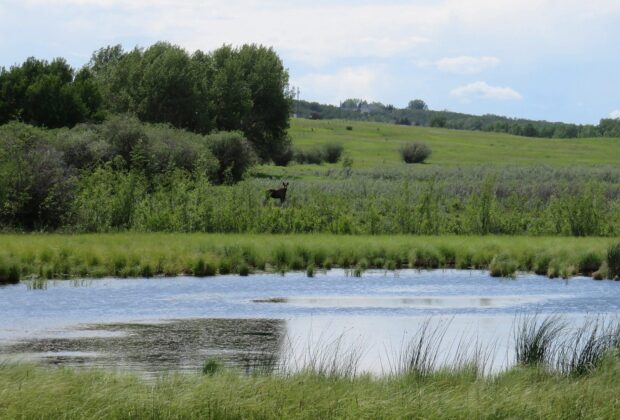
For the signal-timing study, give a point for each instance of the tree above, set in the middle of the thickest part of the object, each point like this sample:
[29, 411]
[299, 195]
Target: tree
[46, 94]
[229, 89]
[417, 104]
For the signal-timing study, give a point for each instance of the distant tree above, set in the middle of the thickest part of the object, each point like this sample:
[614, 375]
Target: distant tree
[438, 121]
[530, 131]
[351, 103]
[417, 104]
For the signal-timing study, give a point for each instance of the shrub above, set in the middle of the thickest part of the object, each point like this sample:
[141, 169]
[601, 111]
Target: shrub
[415, 152]
[124, 133]
[234, 155]
[349, 128]
[332, 152]
[313, 156]
[613, 260]
[284, 156]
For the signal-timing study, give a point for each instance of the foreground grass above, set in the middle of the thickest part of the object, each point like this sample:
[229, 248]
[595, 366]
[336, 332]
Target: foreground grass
[146, 255]
[31, 392]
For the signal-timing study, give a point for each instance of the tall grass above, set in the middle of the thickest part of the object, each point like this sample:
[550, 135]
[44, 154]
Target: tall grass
[535, 337]
[153, 254]
[548, 343]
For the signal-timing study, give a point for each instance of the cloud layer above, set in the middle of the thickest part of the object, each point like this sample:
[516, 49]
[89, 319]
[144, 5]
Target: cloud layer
[364, 48]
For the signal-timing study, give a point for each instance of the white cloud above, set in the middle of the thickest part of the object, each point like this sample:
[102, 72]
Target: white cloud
[615, 114]
[482, 90]
[465, 64]
[349, 82]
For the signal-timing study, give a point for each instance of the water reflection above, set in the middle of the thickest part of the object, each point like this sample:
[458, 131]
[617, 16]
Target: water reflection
[180, 345]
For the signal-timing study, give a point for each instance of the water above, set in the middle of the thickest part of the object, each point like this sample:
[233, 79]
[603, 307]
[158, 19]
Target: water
[156, 325]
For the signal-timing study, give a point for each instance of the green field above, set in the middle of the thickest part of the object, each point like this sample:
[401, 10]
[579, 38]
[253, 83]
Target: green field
[28, 392]
[374, 145]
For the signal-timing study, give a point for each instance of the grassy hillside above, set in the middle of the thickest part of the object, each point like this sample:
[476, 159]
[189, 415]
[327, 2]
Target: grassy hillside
[373, 145]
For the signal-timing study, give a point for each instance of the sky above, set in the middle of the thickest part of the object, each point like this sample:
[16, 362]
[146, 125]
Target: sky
[556, 60]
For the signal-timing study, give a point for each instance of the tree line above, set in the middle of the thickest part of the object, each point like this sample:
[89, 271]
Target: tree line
[417, 113]
[241, 89]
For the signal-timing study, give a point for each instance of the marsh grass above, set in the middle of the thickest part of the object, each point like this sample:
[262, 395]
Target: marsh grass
[418, 355]
[326, 357]
[149, 255]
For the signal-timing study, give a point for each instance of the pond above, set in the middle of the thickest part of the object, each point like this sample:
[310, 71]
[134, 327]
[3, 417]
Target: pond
[175, 324]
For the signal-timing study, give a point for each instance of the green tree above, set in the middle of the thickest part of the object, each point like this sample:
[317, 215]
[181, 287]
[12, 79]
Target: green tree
[417, 104]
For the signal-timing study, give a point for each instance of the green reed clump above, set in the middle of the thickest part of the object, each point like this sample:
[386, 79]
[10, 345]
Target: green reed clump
[146, 271]
[589, 263]
[503, 265]
[212, 366]
[225, 267]
[244, 269]
[9, 273]
[310, 270]
[418, 356]
[584, 349]
[535, 339]
[613, 260]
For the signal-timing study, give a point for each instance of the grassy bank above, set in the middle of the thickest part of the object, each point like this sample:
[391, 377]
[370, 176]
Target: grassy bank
[30, 392]
[145, 255]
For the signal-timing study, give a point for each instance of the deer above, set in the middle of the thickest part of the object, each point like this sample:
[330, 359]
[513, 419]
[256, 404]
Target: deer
[278, 193]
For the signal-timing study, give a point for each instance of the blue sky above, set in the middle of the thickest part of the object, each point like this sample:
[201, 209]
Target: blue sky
[542, 59]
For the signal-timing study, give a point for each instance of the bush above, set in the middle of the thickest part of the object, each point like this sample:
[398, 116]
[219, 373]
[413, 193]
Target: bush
[332, 152]
[416, 152]
[312, 156]
[234, 155]
[284, 156]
